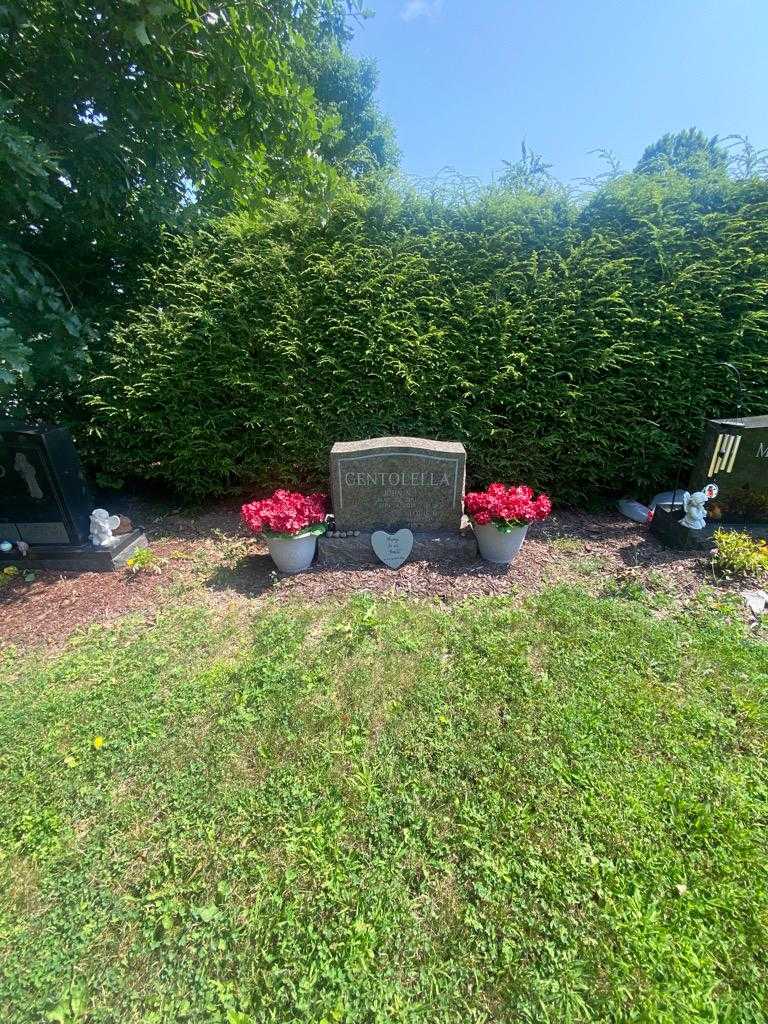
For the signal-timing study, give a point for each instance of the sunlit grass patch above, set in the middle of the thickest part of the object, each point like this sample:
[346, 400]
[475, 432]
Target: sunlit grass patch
[388, 811]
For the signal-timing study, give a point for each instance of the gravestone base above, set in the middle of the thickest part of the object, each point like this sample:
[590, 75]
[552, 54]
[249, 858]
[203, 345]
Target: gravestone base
[78, 557]
[428, 546]
[669, 531]
[666, 528]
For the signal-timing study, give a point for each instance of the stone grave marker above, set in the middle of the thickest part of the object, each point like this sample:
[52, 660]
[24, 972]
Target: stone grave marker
[392, 548]
[734, 455]
[386, 483]
[45, 502]
[400, 485]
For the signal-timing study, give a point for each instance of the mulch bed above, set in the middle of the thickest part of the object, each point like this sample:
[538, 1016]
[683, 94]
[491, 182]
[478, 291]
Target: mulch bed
[212, 550]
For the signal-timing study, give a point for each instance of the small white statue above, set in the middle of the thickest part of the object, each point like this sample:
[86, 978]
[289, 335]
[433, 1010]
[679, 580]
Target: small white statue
[695, 517]
[102, 525]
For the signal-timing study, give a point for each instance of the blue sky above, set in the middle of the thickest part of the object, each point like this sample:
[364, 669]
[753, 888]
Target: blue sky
[465, 80]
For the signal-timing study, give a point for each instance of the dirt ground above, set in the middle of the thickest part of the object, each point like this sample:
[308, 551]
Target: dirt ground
[211, 552]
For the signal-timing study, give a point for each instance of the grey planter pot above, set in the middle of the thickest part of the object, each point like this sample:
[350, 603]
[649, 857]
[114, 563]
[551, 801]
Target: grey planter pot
[498, 547]
[292, 554]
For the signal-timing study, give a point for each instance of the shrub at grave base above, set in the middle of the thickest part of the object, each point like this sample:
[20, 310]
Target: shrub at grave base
[577, 349]
[739, 554]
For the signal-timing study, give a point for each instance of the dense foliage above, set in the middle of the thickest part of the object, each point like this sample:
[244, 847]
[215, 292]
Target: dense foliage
[577, 347]
[117, 118]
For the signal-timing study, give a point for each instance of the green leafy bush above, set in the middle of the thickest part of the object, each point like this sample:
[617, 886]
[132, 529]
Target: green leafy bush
[739, 554]
[578, 348]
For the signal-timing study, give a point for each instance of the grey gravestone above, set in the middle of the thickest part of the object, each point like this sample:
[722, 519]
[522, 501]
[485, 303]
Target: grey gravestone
[734, 455]
[44, 501]
[385, 483]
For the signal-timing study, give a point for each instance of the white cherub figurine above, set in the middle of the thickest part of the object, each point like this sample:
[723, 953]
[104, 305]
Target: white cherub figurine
[102, 525]
[695, 517]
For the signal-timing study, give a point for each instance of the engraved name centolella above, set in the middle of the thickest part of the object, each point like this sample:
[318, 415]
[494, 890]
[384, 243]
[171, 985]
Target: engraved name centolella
[405, 479]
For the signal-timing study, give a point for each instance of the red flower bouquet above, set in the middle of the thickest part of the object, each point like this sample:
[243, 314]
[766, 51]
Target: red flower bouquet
[506, 508]
[287, 514]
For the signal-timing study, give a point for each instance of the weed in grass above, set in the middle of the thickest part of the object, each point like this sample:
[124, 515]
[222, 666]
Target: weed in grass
[652, 589]
[145, 560]
[232, 550]
[590, 565]
[567, 545]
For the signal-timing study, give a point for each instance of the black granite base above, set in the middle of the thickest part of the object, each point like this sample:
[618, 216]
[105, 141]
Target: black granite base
[666, 528]
[78, 557]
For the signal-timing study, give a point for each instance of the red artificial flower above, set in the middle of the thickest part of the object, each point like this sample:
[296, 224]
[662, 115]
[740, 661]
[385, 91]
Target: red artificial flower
[285, 512]
[506, 506]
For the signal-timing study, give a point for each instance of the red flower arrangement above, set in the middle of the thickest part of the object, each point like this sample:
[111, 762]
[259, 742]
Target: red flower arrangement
[506, 507]
[287, 512]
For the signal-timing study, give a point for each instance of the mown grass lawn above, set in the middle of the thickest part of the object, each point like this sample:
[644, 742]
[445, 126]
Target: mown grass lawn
[388, 812]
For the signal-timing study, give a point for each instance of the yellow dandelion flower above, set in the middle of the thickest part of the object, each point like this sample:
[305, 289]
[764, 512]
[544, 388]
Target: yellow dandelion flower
[98, 742]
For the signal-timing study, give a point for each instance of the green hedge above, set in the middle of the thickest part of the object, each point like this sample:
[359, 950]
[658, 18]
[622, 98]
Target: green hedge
[576, 348]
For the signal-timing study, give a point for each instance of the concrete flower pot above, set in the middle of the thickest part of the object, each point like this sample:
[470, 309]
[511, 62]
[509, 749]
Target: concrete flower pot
[496, 545]
[292, 554]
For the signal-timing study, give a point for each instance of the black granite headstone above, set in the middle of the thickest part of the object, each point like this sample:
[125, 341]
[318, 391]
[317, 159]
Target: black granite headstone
[44, 498]
[734, 455]
[45, 501]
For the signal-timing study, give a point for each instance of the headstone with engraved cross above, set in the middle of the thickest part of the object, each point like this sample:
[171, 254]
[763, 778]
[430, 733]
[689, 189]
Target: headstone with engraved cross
[45, 503]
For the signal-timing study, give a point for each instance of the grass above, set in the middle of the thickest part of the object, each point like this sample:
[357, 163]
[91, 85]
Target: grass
[388, 812]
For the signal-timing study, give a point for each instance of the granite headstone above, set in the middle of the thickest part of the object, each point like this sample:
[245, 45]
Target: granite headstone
[386, 483]
[45, 501]
[734, 455]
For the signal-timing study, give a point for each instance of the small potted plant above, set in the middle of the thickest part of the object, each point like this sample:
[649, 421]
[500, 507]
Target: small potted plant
[290, 524]
[500, 517]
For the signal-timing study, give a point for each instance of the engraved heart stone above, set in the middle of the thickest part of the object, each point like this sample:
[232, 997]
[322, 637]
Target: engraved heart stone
[392, 548]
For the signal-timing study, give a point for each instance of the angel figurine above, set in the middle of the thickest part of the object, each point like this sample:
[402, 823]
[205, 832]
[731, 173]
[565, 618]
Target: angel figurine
[695, 517]
[102, 525]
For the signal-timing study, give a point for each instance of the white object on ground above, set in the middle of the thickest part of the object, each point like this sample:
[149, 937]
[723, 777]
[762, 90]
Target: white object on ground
[633, 510]
[496, 545]
[102, 525]
[392, 548]
[292, 554]
[755, 600]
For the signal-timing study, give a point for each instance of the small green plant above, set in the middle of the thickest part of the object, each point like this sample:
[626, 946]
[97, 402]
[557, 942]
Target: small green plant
[591, 565]
[567, 545]
[7, 575]
[144, 560]
[739, 554]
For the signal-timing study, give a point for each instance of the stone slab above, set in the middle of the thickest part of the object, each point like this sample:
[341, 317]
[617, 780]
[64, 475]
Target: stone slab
[78, 557]
[389, 483]
[428, 546]
[734, 455]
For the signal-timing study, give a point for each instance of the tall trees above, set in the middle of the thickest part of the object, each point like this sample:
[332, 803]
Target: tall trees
[117, 117]
[689, 152]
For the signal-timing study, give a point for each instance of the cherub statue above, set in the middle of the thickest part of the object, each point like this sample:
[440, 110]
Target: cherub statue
[102, 525]
[695, 517]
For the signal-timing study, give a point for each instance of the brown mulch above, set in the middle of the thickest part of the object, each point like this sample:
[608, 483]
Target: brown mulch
[211, 551]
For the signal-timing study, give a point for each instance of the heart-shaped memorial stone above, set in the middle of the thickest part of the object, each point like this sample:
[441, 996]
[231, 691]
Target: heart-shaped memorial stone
[392, 548]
